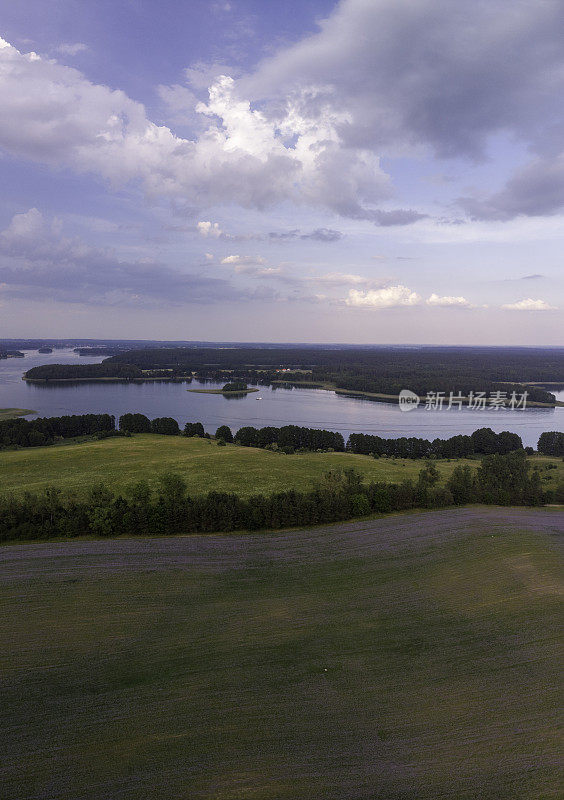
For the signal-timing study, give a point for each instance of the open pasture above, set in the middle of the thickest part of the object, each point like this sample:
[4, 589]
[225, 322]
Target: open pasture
[410, 658]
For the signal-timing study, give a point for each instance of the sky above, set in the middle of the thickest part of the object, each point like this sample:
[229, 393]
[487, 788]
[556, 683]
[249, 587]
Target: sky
[363, 171]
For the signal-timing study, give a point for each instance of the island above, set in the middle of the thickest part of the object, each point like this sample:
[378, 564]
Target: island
[228, 388]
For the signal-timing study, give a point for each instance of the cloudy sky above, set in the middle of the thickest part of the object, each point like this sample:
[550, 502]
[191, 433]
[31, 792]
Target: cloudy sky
[308, 170]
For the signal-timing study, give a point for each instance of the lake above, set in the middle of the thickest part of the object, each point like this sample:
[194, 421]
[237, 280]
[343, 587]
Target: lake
[313, 408]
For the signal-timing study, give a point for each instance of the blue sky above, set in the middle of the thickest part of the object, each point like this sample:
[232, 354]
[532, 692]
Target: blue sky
[362, 171]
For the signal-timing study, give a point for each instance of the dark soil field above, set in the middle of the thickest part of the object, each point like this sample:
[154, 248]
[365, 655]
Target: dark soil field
[414, 657]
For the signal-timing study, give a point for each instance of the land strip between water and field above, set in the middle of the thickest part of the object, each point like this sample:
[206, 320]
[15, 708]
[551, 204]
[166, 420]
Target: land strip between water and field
[245, 471]
[12, 413]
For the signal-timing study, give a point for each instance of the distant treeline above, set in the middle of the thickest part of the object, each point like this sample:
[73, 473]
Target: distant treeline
[59, 372]
[381, 370]
[97, 351]
[506, 480]
[375, 370]
[482, 442]
[47, 430]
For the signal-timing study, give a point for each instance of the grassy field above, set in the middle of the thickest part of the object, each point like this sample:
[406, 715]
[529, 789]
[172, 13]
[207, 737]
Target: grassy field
[411, 658]
[205, 466]
[10, 413]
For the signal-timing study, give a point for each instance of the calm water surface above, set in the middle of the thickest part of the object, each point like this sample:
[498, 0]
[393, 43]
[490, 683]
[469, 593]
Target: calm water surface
[310, 407]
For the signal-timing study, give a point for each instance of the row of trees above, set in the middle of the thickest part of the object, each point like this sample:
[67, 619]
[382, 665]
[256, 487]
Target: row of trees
[341, 495]
[288, 438]
[482, 442]
[47, 430]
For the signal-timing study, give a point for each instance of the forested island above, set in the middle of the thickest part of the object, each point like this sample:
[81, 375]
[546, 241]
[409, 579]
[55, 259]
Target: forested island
[236, 387]
[11, 354]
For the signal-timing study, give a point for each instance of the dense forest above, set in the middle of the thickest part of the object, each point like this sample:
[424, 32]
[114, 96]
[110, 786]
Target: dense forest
[378, 370]
[500, 479]
[59, 372]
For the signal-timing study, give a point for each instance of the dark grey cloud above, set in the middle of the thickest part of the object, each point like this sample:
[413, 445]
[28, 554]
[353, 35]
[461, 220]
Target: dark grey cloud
[440, 74]
[318, 235]
[323, 235]
[123, 284]
[437, 72]
[36, 261]
[384, 219]
[537, 190]
[399, 216]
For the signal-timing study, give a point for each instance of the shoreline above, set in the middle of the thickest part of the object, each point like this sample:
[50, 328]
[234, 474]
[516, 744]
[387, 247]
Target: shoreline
[177, 379]
[373, 396]
[13, 413]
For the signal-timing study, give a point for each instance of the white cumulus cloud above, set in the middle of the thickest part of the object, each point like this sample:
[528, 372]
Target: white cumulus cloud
[210, 229]
[53, 114]
[243, 260]
[390, 297]
[448, 301]
[528, 304]
[72, 49]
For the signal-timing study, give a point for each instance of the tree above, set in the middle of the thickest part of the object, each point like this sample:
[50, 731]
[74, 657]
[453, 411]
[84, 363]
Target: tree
[166, 426]
[135, 423]
[551, 443]
[429, 475]
[507, 442]
[194, 429]
[506, 480]
[224, 432]
[236, 386]
[462, 486]
[247, 436]
[172, 487]
[484, 441]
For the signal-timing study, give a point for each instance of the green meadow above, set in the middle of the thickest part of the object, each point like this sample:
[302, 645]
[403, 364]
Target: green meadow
[204, 465]
[410, 658]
